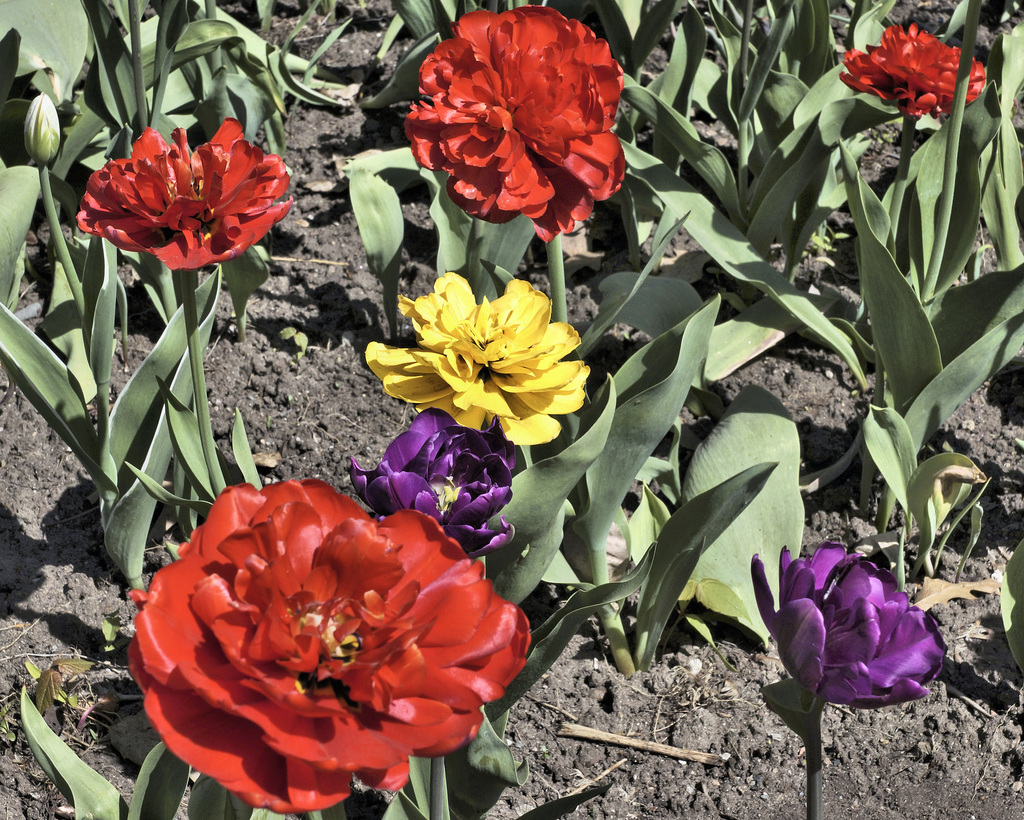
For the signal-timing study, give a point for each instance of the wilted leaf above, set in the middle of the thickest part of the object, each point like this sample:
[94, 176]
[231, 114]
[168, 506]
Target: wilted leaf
[73, 666]
[936, 591]
[48, 689]
[268, 461]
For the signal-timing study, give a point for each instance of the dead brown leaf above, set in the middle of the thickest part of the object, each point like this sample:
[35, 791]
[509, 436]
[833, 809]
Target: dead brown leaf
[936, 591]
[268, 461]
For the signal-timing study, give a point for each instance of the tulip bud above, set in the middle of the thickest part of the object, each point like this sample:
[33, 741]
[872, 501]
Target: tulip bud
[42, 130]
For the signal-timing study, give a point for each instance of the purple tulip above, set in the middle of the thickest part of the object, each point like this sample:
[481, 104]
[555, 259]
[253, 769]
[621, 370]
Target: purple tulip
[844, 631]
[459, 476]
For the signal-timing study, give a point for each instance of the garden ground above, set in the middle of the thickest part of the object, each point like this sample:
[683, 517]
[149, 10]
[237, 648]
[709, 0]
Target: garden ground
[309, 409]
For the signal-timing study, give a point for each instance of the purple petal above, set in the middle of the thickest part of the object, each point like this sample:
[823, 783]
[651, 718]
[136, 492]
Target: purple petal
[800, 634]
[854, 636]
[827, 557]
[913, 651]
[763, 593]
[904, 691]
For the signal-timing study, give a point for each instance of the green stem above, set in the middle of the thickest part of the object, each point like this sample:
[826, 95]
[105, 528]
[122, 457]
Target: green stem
[611, 623]
[944, 209]
[556, 274]
[135, 34]
[901, 566]
[188, 281]
[812, 757]
[61, 246]
[899, 187]
[438, 788]
[215, 57]
[742, 129]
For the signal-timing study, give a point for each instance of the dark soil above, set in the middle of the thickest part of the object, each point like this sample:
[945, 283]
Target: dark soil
[956, 754]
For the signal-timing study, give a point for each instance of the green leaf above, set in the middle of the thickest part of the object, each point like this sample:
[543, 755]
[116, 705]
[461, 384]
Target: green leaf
[208, 800]
[160, 786]
[618, 32]
[48, 384]
[19, 190]
[756, 429]
[549, 640]
[184, 429]
[653, 385]
[655, 306]
[538, 499]
[333, 813]
[891, 445]
[980, 124]
[171, 25]
[99, 286]
[962, 376]
[1012, 604]
[10, 46]
[706, 159]
[936, 486]
[654, 23]
[62, 325]
[729, 248]
[466, 245]
[903, 336]
[420, 16]
[138, 411]
[379, 218]
[54, 36]
[165, 496]
[750, 333]
[243, 276]
[692, 529]
[619, 288]
[561, 806]
[963, 315]
[477, 774]
[404, 82]
[91, 795]
[799, 709]
[645, 524]
[109, 83]
[242, 452]
[140, 436]
[781, 29]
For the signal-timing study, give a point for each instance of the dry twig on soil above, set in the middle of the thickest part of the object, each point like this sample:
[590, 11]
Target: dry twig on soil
[586, 733]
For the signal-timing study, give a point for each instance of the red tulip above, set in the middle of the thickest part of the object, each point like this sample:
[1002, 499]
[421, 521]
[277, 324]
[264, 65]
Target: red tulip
[299, 642]
[187, 209]
[521, 109]
[913, 68]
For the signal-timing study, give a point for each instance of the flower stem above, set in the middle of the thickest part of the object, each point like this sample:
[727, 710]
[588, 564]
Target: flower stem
[215, 57]
[438, 788]
[944, 209]
[812, 757]
[135, 34]
[899, 186]
[556, 273]
[611, 623]
[742, 128]
[188, 281]
[61, 246]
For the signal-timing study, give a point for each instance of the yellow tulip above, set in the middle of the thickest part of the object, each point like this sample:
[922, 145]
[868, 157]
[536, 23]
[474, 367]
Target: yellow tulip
[500, 358]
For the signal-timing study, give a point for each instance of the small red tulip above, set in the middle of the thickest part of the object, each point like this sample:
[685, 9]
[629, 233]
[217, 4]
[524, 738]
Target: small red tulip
[188, 209]
[913, 68]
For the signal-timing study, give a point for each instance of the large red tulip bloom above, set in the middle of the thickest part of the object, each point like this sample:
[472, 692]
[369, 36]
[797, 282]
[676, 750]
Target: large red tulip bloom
[521, 109]
[913, 68]
[187, 209]
[299, 642]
